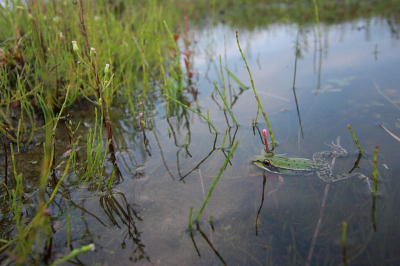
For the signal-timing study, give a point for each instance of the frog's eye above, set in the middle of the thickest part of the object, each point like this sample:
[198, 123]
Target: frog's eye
[266, 162]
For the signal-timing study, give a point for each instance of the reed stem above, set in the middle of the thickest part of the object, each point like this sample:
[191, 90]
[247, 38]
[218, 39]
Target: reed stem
[216, 181]
[190, 219]
[356, 140]
[255, 93]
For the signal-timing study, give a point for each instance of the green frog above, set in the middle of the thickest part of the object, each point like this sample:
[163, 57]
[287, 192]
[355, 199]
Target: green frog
[303, 167]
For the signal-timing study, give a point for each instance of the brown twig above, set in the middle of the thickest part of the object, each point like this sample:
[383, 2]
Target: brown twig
[391, 134]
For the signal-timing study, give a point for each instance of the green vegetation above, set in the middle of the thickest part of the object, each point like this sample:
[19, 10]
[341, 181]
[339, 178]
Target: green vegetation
[214, 184]
[54, 58]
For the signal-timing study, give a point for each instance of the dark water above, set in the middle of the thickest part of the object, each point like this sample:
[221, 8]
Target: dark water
[345, 74]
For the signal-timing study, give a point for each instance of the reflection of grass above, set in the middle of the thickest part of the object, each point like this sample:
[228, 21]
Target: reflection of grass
[187, 107]
[260, 14]
[225, 104]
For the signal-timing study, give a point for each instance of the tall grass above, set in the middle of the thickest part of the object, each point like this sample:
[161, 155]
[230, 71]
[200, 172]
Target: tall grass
[117, 51]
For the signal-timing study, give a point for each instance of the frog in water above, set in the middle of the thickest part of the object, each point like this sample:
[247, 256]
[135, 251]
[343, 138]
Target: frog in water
[303, 167]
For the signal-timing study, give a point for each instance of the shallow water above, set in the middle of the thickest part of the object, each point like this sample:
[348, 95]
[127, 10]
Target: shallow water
[347, 74]
[335, 86]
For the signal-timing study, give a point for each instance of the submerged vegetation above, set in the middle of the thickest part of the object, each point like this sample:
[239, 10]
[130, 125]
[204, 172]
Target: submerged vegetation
[59, 59]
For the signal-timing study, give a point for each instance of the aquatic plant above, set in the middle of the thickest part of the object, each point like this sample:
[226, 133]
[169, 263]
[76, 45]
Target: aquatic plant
[255, 94]
[216, 181]
[356, 140]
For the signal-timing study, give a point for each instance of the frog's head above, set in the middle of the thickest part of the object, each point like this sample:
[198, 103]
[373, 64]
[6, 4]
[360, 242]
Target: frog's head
[266, 161]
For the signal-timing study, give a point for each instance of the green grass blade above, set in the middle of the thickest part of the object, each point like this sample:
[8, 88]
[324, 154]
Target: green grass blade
[216, 181]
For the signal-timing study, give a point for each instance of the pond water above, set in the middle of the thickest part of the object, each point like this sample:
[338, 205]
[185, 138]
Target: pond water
[312, 81]
[346, 74]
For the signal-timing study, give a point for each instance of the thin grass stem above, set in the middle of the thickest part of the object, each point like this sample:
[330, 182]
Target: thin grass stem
[190, 219]
[68, 230]
[356, 140]
[255, 93]
[216, 181]
[74, 253]
[344, 233]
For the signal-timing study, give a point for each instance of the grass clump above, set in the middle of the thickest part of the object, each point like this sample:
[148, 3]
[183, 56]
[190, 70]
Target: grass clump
[58, 56]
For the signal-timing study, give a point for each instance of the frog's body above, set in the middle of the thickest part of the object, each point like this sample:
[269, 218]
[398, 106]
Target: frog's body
[303, 167]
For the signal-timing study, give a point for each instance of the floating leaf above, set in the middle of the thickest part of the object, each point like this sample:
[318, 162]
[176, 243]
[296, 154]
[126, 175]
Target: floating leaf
[377, 103]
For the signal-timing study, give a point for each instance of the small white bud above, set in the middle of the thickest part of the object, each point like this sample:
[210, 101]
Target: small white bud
[92, 52]
[107, 68]
[75, 46]
[92, 247]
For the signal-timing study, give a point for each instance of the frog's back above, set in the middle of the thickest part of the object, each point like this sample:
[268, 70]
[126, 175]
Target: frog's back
[295, 166]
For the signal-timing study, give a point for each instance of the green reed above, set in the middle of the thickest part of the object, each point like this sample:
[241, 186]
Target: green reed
[74, 253]
[190, 219]
[255, 94]
[216, 181]
[111, 180]
[68, 230]
[356, 140]
[96, 152]
[344, 233]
